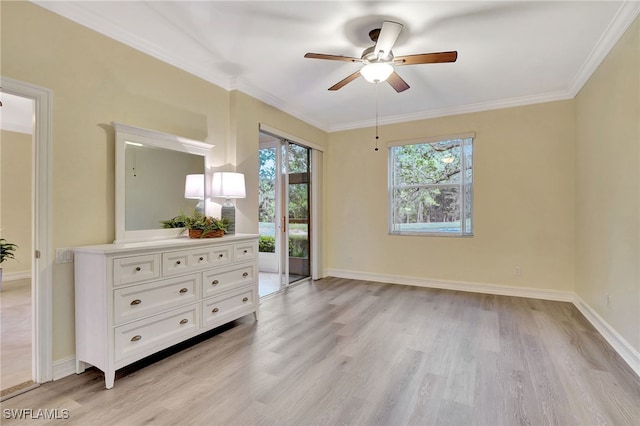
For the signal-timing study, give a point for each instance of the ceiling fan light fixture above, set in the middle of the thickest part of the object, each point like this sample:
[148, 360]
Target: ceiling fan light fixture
[376, 72]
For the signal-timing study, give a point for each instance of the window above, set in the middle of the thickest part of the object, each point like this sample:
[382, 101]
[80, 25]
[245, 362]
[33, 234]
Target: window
[431, 186]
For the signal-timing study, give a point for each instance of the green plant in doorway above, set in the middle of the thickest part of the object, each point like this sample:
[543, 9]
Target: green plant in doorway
[267, 244]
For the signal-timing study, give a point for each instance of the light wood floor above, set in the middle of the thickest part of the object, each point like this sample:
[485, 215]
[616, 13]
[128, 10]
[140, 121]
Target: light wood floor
[351, 352]
[15, 333]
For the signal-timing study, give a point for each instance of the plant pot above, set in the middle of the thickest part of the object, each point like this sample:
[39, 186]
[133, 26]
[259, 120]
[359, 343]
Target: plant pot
[197, 233]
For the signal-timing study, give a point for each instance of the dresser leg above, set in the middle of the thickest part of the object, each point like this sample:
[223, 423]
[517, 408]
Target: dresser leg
[109, 378]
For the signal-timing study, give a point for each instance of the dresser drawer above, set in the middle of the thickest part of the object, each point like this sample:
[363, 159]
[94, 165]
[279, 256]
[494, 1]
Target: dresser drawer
[228, 306]
[127, 270]
[185, 261]
[137, 301]
[151, 334]
[245, 251]
[227, 278]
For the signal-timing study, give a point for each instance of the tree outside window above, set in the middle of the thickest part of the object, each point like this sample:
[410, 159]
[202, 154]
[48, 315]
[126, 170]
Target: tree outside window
[431, 187]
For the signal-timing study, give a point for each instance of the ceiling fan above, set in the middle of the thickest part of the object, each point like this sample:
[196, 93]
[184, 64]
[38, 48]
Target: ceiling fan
[379, 60]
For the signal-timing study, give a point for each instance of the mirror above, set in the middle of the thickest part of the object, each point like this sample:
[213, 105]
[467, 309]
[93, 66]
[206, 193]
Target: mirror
[151, 171]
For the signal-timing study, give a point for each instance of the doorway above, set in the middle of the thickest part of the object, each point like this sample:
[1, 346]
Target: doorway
[284, 205]
[16, 211]
[36, 248]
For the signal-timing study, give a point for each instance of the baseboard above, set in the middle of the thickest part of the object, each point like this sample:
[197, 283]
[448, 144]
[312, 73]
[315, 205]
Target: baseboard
[473, 287]
[18, 275]
[619, 344]
[67, 366]
[64, 367]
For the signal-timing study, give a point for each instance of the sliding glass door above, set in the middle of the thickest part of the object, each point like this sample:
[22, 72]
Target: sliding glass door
[284, 213]
[296, 214]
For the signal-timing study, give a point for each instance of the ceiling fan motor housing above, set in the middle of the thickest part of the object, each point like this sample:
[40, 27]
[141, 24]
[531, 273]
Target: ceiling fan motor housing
[370, 55]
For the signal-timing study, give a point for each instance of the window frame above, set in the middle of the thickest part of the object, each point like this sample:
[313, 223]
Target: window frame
[463, 233]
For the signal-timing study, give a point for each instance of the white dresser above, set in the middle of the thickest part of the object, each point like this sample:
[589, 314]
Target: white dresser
[134, 299]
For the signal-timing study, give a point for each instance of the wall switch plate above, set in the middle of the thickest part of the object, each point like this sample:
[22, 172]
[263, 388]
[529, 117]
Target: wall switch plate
[64, 255]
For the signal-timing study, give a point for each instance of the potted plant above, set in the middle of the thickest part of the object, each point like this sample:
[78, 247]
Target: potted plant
[199, 225]
[6, 252]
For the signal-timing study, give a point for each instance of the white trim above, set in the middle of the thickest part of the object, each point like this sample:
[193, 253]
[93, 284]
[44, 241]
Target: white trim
[18, 275]
[131, 134]
[432, 139]
[42, 319]
[457, 110]
[619, 344]
[630, 355]
[317, 228]
[64, 367]
[624, 17]
[473, 287]
[74, 12]
[293, 138]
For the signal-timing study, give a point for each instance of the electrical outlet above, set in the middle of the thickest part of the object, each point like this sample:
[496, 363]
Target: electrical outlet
[608, 298]
[64, 255]
[517, 271]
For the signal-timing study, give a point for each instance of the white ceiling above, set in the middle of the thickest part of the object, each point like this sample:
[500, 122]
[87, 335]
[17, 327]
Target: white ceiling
[509, 53]
[16, 113]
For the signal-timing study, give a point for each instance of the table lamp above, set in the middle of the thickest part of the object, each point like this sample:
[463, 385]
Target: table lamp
[194, 190]
[228, 185]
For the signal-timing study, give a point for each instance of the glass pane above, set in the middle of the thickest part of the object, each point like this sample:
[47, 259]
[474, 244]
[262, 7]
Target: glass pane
[267, 194]
[298, 159]
[468, 203]
[426, 210]
[298, 209]
[427, 163]
[468, 160]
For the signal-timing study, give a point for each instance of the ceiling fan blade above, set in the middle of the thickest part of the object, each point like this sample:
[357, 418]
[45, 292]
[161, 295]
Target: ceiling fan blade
[345, 81]
[426, 58]
[397, 82]
[332, 57]
[388, 35]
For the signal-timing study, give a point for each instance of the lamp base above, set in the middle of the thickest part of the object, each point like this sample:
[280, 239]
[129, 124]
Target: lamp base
[229, 212]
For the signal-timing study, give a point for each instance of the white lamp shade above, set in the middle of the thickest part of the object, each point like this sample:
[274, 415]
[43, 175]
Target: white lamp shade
[376, 72]
[228, 185]
[194, 187]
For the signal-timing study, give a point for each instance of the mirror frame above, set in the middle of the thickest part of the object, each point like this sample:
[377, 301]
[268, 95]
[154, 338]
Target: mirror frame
[156, 139]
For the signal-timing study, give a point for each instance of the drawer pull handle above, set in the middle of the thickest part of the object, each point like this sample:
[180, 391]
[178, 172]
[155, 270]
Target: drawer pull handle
[184, 321]
[201, 258]
[221, 255]
[183, 290]
[214, 282]
[246, 274]
[177, 262]
[245, 299]
[136, 338]
[138, 269]
[214, 310]
[136, 302]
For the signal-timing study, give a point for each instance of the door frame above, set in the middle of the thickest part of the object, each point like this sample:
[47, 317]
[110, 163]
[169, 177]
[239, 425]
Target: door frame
[41, 274]
[316, 225]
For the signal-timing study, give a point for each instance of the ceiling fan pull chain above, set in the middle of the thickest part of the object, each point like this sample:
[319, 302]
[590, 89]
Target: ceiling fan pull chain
[376, 117]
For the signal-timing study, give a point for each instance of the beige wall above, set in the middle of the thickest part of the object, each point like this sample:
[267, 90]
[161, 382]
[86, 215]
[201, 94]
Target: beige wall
[247, 114]
[523, 202]
[15, 198]
[525, 186]
[96, 80]
[608, 188]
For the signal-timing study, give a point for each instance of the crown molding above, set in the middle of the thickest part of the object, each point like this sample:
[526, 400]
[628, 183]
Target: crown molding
[72, 11]
[457, 110]
[625, 16]
[249, 89]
